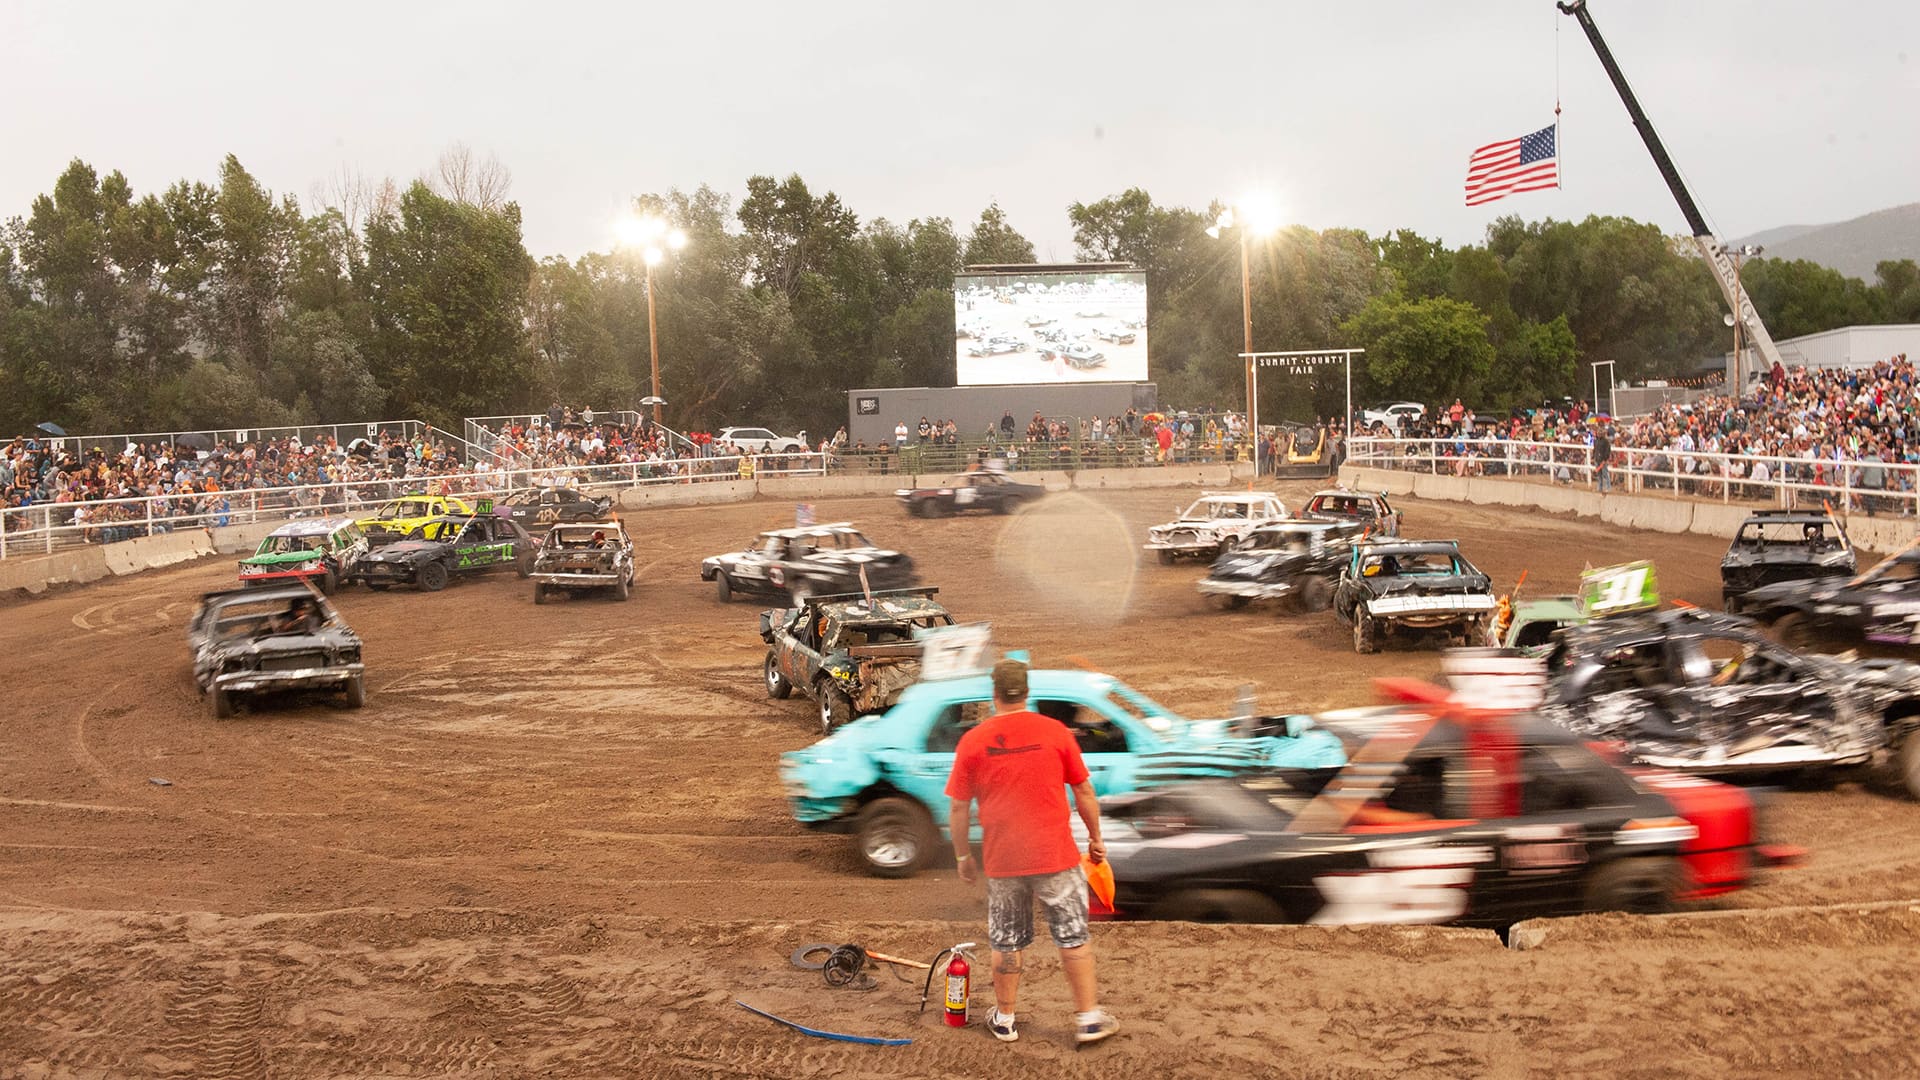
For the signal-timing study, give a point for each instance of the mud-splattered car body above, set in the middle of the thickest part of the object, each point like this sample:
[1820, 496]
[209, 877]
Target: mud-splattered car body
[852, 654]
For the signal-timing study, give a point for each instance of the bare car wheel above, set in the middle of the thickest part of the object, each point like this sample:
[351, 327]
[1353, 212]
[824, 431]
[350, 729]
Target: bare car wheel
[778, 688]
[896, 837]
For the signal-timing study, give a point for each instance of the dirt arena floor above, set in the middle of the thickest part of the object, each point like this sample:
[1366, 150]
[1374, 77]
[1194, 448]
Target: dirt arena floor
[554, 844]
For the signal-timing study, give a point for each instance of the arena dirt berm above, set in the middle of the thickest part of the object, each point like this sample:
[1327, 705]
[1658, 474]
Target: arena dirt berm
[554, 844]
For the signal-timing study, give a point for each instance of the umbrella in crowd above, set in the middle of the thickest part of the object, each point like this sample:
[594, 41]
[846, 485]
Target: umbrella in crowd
[53, 429]
[195, 441]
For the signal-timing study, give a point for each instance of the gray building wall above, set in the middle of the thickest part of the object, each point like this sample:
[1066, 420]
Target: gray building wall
[972, 408]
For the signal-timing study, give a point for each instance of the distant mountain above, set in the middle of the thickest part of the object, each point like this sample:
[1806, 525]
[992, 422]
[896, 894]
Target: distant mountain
[1851, 247]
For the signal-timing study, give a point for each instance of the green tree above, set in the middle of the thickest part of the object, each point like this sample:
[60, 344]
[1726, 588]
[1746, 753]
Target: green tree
[1421, 350]
[447, 284]
[992, 241]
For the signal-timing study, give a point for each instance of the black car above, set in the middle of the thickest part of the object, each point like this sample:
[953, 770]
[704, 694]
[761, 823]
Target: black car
[1295, 562]
[271, 640]
[1783, 545]
[537, 508]
[444, 547]
[1483, 823]
[1880, 608]
[1700, 692]
[988, 490]
[1412, 587]
[812, 560]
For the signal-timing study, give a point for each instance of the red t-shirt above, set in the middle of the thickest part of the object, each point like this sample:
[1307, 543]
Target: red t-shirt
[1019, 766]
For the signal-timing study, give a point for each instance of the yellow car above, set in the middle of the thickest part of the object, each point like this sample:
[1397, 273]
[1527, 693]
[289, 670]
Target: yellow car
[403, 515]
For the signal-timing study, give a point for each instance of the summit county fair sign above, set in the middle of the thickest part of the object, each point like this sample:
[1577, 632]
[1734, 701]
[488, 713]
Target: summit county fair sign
[1296, 363]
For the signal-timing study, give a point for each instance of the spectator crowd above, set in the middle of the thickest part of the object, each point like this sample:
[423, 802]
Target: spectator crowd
[1813, 427]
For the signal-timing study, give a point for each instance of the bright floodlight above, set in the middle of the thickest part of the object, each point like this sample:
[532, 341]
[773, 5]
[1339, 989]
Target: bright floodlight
[654, 256]
[1224, 221]
[1260, 212]
[676, 239]
[638, 231]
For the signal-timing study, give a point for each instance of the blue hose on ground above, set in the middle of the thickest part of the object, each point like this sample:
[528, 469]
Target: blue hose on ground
[866, 1039]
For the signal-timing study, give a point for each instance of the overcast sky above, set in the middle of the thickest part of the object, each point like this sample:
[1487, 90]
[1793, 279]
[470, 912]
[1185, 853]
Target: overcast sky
[1353, 114]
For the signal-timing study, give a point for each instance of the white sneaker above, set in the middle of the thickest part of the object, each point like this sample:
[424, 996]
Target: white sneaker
[1103, 1027]
[1004, 1030]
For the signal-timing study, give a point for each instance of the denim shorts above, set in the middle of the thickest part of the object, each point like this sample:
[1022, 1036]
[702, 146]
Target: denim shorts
[1010, 909]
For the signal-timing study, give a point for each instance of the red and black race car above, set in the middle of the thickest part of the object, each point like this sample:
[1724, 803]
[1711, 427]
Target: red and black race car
[1442, 815]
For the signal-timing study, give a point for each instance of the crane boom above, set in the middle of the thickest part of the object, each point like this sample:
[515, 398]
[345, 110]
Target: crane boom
[1710, 246]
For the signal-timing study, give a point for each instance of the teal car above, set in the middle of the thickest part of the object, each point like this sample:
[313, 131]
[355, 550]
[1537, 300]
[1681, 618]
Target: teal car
[883, 777]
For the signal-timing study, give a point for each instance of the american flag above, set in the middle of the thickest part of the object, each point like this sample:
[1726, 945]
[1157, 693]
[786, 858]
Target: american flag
[1528, 163]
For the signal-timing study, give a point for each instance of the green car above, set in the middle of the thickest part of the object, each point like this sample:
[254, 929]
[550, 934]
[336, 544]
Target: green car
[435, 552]
[325, 551]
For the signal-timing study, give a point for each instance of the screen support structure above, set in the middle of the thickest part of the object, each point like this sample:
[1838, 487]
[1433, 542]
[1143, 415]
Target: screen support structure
[1292, 363]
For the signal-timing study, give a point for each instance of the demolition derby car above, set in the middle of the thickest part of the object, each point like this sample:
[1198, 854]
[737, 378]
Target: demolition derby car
[1478, 821]
[1783, 545]
[852, 655]
[1215, 522]
[1295, 562]
[1700, 692]
[541, 507]
[881, 777]
[1412, 586]
[432, 554]
[395, 520]
[324, 551]
[813, 560]
[1878, 608]
[590, 555]
[267, 640]
[985, 489]
[1360, 507]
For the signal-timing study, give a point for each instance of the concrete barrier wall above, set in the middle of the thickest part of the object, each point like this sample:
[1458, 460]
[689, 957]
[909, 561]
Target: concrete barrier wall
[1647, 512]
[34, 575]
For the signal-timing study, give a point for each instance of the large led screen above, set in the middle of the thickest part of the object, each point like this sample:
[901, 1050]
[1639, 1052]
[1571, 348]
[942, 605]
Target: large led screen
[1050, 328]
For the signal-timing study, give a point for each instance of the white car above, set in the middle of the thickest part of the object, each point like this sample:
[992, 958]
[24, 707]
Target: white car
[1215, 522]
[758, 440]
[1392, 414]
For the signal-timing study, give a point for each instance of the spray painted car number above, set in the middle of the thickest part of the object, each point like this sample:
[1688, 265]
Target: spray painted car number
[1404, 885]
[485, 555]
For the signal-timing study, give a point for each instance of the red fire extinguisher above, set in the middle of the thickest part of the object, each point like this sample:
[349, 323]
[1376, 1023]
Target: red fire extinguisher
[959, 971]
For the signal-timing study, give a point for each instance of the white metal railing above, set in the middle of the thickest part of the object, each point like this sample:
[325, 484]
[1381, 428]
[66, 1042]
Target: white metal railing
[306, 433]
[48, 527]
[485, 432]
[1786, 482]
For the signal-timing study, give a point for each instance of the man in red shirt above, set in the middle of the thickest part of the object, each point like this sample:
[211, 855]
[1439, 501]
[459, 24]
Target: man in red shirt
[1018, 764]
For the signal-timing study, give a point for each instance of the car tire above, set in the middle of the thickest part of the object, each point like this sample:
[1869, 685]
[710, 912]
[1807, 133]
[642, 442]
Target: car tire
[723, 587]
[432, 577]
[836, 710]
[523, 564]
[623, 589]
[1220, 906]
[1233, 603]
[1642, 885]
[896, 837]
[540, 593]
[356, 696]
[329, 582]
[1166, 557]
[221, 702]
[1315, 594]
[1365, 635]
[778, 688]
[1907, 760]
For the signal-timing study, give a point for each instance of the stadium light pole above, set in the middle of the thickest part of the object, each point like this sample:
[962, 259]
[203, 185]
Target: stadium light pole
[652, 237]
[1258, 215]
